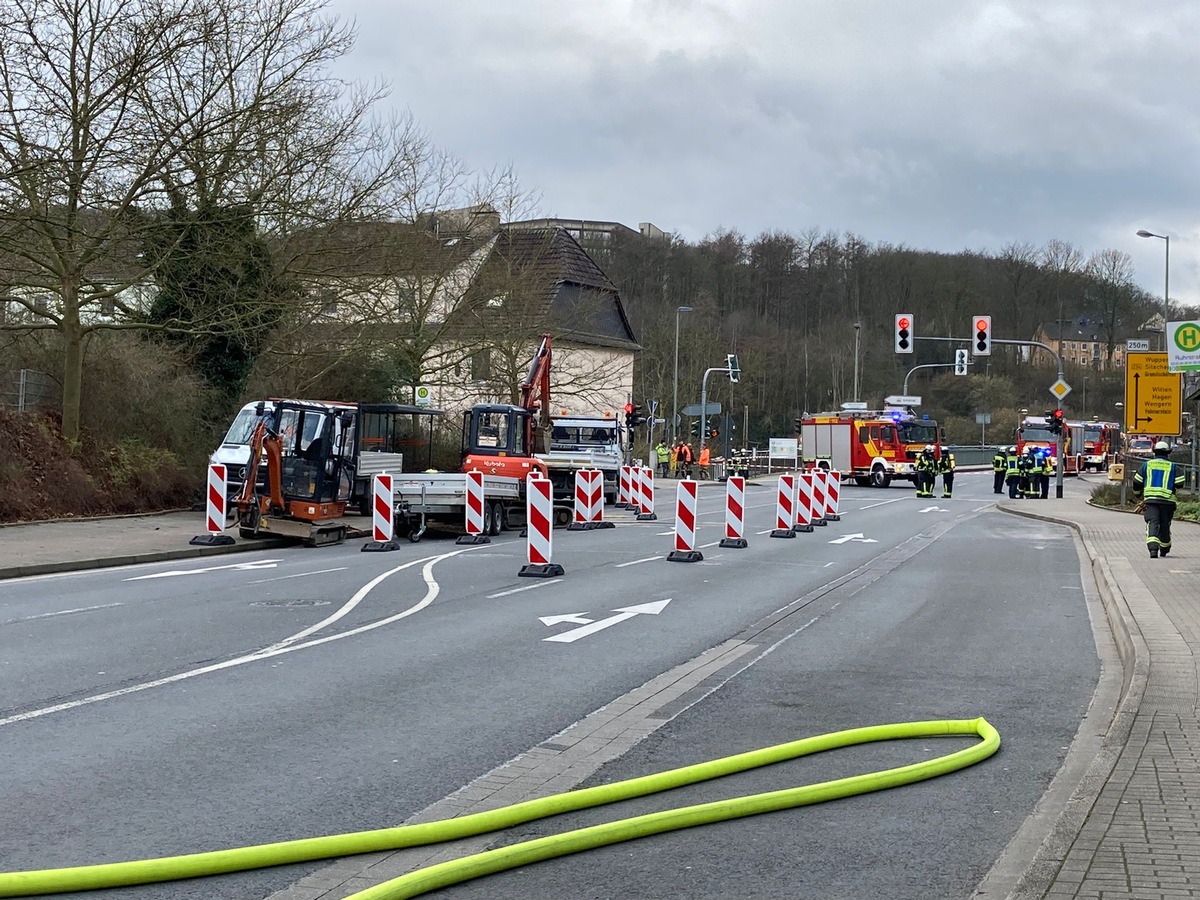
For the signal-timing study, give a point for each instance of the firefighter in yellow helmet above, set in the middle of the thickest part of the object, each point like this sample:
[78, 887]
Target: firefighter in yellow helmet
[927, 467]
[946, 467]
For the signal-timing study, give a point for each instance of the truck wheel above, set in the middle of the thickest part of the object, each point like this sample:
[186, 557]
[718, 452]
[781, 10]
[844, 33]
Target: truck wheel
[879, 478]
[488, 517]
[497, 518]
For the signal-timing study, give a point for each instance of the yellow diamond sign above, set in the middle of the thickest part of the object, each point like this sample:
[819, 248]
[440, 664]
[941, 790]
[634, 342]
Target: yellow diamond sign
[1060, 389]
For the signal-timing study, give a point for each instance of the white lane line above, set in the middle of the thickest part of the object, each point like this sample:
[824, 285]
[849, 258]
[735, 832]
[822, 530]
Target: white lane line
[61, 612]
[516, 590]
[982, 508]
[827, 565]
[882, 503]
[298, 575]
[636, 561]
[768, 531]
[706, 546]
[432, 589]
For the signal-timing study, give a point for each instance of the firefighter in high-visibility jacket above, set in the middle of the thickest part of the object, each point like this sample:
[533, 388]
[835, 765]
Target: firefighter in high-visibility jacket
[1012, 472]
[1029, 465]
[927, 468]
[1156, 482]
[1043, 480]
[946, 467]
[999, 470]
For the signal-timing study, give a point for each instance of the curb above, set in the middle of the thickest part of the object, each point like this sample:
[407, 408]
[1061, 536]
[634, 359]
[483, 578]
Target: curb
[108, 562]
[1042, 872]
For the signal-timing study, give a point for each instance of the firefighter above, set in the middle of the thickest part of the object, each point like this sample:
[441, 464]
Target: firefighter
[1029, 465]
[927, 466]
[999, 469]
[1155, 482]
[1044, 477]
[1012, 473]
[946, 467]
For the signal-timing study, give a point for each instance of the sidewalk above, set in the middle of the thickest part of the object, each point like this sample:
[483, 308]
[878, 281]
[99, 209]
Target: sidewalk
[1132, 827]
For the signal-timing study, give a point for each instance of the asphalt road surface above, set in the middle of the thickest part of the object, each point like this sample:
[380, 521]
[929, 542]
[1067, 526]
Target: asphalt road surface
[176, 707]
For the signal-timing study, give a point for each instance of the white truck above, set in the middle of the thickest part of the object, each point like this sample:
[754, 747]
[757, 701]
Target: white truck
[584, 442]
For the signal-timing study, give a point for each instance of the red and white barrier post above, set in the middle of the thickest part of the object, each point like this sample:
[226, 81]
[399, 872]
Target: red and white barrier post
[833, 491]
[539, 512]
[735, 513]
[589, 501]
[818, 504]
[785, 507]
[645, 483]
[685, 524]
[474, 511]
[214, 509]
[625, 488]
[804, 502]
[382, 535]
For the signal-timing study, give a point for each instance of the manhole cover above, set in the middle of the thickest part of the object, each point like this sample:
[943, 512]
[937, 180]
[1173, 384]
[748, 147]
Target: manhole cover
[290, 603]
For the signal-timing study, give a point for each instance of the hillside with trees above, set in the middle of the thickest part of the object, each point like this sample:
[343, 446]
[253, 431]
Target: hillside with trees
[787, 305]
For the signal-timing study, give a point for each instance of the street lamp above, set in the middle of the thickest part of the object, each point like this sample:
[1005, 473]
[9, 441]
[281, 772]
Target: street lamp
[675, 395]
[1143, 233]
[857, 330]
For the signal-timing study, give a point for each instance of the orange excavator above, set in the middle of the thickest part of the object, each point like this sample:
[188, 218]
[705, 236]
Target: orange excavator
[500, 438]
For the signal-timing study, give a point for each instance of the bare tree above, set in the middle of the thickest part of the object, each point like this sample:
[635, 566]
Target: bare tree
[119, 110]
[1112, 270]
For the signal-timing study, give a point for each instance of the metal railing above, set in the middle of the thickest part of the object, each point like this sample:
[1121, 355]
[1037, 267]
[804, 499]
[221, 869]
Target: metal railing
[26, 390]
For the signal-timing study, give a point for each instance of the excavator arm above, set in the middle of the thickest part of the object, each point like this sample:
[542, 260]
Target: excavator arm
[535, 391]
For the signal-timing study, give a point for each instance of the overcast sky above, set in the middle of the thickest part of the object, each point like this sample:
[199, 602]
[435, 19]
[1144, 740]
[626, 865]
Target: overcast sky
[936, 124]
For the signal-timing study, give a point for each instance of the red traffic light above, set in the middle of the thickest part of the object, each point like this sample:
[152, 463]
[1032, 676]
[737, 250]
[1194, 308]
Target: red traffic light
[982, 325]
[902, 322]
[628, 408]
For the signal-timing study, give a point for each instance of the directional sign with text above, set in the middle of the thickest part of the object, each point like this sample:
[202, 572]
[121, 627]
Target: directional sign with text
[1153, 395]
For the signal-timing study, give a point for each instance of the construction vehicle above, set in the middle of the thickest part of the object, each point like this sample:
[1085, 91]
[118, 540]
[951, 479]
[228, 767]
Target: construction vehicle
[309, 462]
[584, 442]
[874, 447]
[504, 440]
[1035, 432]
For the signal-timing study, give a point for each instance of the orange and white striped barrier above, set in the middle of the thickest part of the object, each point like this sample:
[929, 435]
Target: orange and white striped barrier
[833, 491]
[625, 488]
[735, 513]
[685, 524]
[804, 502]
[214, 509]
[474, 511]
[539, 512]
[785, 507]
[382, 534]
[645, 495]
[818, 505]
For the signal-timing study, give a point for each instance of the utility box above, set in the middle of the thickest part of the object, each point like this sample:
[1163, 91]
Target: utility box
[1116, 472]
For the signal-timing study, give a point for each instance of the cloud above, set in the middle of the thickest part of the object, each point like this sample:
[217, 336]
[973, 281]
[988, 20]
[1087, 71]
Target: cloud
[931, 123]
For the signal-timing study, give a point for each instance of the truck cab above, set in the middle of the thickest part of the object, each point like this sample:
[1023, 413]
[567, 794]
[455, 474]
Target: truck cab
[495, 441]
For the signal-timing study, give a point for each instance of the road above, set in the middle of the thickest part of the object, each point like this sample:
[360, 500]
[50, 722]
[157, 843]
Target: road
[176, 707]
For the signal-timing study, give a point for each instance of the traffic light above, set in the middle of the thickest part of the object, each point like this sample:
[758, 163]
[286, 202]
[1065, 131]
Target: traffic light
[714, 433]
[904, 339]
[735, 371]
[696, 428]
[633, 416]
[799, 422]
[961, 361]
[1057, 420]
[983, 335]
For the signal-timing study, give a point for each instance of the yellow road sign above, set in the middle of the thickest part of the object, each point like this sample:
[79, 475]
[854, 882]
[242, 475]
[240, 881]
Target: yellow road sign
[1153, 395]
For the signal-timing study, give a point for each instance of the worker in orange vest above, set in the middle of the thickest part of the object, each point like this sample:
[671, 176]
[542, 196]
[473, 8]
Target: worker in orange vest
[705, 458]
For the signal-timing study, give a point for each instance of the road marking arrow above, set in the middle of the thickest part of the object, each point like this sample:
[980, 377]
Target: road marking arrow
[934, 509]
[622, 614]
[577, 618]
[857, 536]
[245, 567]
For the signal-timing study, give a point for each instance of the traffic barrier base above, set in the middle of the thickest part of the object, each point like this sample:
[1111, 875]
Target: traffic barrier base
[734, 543]
[212, 540]
[647, 517]
[802, 528]
[380, 546]
[685, 556]
[540, 570]
[782, 533]
[473, 539]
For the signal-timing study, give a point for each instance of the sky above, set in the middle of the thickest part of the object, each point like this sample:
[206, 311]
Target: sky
[933, 124]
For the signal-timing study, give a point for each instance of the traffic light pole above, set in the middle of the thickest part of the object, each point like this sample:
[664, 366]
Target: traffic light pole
[1058, 477]
[704, 402]
[926, 366]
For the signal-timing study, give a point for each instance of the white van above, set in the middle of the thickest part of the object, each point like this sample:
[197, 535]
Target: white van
[234, 452]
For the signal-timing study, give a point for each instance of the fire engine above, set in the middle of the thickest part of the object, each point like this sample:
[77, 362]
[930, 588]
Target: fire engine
[1034, 431]
[1096, 444]
[873, 447]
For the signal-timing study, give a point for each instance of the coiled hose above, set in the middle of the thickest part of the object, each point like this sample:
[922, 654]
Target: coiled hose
[110, 875]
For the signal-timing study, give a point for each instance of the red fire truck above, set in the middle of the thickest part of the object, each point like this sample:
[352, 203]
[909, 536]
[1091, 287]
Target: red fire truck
[874, 447]
[1095, 444]
[1034, 431]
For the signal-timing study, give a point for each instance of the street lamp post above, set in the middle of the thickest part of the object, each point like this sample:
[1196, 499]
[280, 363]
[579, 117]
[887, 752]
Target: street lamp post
[675, 395]
[857, 330]
[1166, 238]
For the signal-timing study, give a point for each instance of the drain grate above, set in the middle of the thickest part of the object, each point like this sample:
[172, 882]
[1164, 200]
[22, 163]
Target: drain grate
[290, 603]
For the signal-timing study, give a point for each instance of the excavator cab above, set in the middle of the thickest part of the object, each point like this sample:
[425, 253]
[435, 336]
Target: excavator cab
[496, 440]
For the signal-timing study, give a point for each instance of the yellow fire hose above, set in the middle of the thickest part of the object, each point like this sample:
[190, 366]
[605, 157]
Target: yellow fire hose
[414, 884]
